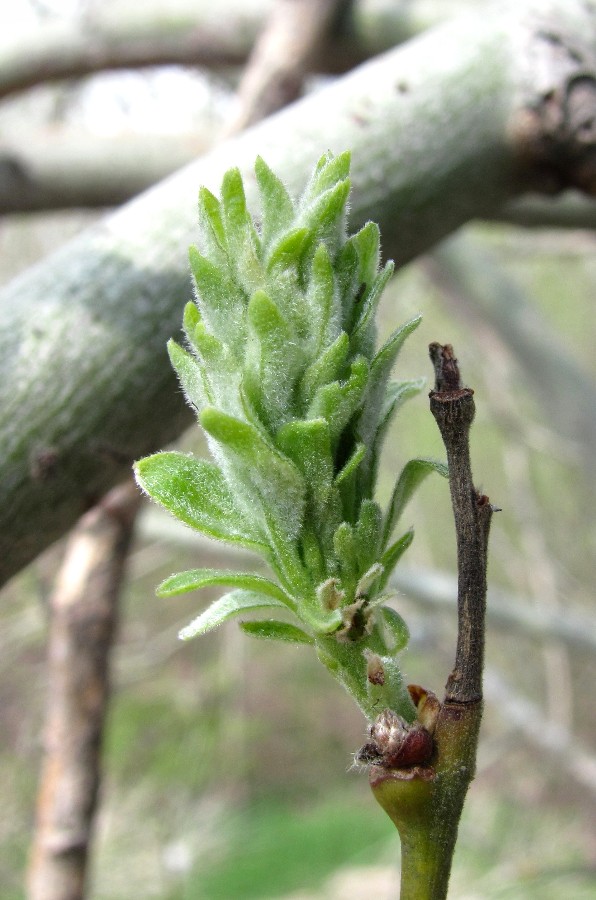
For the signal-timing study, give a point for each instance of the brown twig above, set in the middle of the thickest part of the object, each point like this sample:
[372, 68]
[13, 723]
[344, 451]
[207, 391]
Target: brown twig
[83, 616]
[453, 408]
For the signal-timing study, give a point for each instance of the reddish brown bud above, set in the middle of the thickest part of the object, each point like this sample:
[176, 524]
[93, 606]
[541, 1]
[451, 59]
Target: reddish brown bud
[396, 744]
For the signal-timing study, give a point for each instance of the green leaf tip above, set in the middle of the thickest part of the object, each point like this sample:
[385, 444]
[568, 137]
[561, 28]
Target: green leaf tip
[280, 362]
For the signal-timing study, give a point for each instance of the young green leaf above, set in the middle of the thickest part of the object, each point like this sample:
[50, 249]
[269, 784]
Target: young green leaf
[272, 630]
[338, 401]
[412, 475]
[276, 204]
[195, 579]
[228, 606]
[396, 629]
[196, 492]
[191, 375]
[392, 555]
[271, 478]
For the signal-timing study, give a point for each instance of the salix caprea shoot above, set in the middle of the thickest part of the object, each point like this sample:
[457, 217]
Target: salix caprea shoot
[281, 364]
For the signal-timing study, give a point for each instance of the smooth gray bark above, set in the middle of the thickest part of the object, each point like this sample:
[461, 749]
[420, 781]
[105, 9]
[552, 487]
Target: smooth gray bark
[442, 130]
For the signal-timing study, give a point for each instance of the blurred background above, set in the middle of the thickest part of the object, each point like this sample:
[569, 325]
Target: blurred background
[219, 780]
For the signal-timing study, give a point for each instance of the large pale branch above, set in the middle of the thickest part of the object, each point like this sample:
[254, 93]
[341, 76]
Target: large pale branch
[66, 169]
[196, 33]
[442, 130]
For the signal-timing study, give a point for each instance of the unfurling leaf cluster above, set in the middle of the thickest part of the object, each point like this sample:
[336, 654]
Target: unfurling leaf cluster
[281, 365]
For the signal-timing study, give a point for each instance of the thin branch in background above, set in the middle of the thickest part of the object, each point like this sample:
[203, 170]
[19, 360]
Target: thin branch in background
[201, 33]
[83, 617]
[275, 72]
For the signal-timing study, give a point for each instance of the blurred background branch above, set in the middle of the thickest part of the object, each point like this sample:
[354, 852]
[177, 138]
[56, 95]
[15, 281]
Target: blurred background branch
[195, 33]
[82, 615]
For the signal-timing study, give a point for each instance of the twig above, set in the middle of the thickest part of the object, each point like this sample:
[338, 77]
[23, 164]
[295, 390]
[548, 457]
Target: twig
[83, 615]
[453, 409]
[275, 71]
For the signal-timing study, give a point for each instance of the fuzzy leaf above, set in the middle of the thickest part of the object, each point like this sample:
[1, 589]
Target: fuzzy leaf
[380, 370]
[276, 205]
[351, 466]
[196, 492]
[362, 339]
[337, 402]
[396, 629]
[368, 534]
[319, 620]
[325, 217]
[221, 302]
[357, 268]
[191, 376]
[288, 251]
[412, 475]
[273, 481]
[228, 606]
[243, 241]
[392, 555]
[308, 445]
[396, 394]
[195, 579]
[270, 361]
[367, 242]
[344, 544]
[384, 360]
[328, 172]
[326, 368]
[190, 320]
[272, 630]
[322, 302]
[212, 232]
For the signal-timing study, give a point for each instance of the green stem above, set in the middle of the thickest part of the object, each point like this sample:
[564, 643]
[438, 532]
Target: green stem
[425, 803]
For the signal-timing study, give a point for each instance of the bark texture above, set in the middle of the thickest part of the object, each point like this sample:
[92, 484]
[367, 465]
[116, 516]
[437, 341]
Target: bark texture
[434, 127]
[83, 614]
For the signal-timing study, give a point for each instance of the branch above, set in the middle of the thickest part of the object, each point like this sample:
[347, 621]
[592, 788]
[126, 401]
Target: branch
[453, 409]
[49, 169]
[83, 614]
[275, 72]
[200, 33]
[85, 386]
[45, 170]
